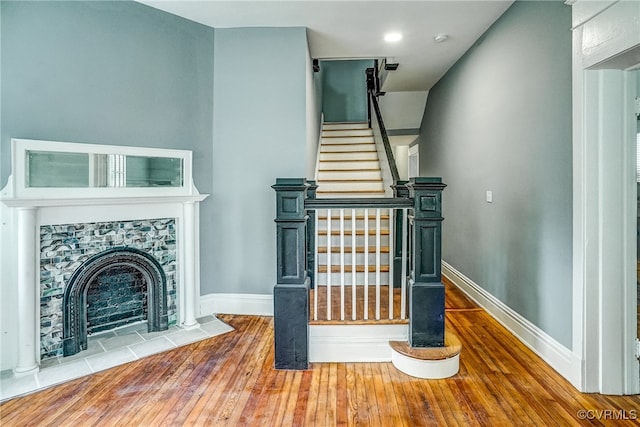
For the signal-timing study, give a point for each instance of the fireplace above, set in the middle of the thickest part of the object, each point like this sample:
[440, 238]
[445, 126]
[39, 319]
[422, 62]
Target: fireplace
[99, 276]
[113, 288]
[52, 230]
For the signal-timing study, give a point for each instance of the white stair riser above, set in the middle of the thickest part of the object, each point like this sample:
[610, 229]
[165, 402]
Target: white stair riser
[321, 280]
[357, 343]
[351, 186]
[346, 148]
[373, 175]
[372, 156]
[335, 240]
[346, 132]
[426, 369]
[335, 258]
[347, 165]
[342, 126]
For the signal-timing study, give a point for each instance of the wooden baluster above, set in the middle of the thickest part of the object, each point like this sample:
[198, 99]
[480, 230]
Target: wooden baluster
[378, 267]
[353, 264]
[366, 264]
[329, 264]
[342, 264]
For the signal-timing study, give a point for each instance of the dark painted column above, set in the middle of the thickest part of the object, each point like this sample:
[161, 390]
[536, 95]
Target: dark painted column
[291, 292]
[399, 190]
[426, 291]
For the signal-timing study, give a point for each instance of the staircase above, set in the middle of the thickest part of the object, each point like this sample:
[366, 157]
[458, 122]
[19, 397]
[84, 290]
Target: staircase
[357, 312]
[351, 323]
[349, 167]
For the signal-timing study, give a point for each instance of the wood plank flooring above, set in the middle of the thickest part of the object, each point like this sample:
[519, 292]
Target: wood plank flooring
[230, 381]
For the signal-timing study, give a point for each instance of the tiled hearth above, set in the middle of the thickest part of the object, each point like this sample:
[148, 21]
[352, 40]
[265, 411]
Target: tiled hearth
[107, 350]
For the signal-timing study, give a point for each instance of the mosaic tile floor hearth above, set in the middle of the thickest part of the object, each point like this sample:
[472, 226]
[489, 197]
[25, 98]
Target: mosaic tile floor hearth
[107, 350]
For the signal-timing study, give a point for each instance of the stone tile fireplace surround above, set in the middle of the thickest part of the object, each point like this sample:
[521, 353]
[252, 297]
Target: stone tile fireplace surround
[65, 248]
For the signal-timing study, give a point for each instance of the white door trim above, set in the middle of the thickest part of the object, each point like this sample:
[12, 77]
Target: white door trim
[604, 217]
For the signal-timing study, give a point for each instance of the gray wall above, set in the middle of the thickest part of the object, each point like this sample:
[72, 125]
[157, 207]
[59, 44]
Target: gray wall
[345, 90]
[122, 73]
[259, 135]
[108, 73]
[314, 116]
[500, 120]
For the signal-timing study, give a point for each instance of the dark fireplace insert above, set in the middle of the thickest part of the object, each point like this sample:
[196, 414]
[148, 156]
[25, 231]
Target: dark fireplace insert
[113, 288]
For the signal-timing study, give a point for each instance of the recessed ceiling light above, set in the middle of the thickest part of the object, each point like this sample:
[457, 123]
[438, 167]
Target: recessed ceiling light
[440, 38]
[392, 37]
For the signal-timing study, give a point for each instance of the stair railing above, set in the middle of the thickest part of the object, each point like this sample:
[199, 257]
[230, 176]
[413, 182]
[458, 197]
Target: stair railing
[352, 229]
[297, 262]
[380, 134]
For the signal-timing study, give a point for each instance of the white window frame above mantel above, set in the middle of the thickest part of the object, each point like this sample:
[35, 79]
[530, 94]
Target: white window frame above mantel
[18, 189]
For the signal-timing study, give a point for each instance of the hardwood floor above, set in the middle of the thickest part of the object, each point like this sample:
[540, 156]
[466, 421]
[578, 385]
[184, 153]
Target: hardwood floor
[229, 380]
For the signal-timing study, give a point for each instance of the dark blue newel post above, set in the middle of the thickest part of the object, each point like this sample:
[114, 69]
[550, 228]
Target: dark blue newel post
[400, 190]
[311, 233]
[291, 292]
[426, 291]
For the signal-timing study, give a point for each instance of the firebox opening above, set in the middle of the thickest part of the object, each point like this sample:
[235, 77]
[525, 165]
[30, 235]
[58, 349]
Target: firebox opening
[111, 289]
[116, 297]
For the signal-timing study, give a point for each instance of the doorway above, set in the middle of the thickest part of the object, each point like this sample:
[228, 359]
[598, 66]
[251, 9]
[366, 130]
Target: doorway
[413, 161]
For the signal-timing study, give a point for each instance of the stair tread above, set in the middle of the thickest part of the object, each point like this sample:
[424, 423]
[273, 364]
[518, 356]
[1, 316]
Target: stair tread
[340, 133]
[349, 170]
[319, 182]
[347, 269]
[451, 348]
[342, 144]
[350, 152]
[359, 322]
[348, 160]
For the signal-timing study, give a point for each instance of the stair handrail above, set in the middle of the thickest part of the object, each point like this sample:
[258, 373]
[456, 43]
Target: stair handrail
[395, 176]
[359, 203]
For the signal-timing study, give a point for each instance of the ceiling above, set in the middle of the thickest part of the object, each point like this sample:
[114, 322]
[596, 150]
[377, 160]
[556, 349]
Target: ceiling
[355, 29]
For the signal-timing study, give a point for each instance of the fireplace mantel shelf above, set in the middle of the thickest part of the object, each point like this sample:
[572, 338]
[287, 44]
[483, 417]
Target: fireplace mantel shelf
[100, 201]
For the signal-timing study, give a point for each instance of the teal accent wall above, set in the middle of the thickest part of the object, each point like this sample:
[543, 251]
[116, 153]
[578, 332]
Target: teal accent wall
[500, 120]
[260, 98]
[345, 90]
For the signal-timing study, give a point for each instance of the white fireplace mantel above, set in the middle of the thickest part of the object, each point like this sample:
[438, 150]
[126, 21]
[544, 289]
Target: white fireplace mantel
[99, 201]
[24, 211]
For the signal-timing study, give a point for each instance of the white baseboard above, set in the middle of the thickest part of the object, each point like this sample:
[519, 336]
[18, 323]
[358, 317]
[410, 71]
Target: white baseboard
[353, 343]
[247, 304]
[560, 358]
